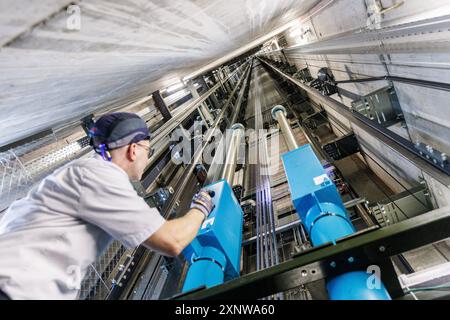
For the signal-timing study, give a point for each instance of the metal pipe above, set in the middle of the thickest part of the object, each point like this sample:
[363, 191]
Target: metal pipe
[295, 237]
[161, 105]
[202, 108]
[266, 244]
[179, 115]
[240, 98]
[232, 153]
[258, 246]
[214, 171]
[271, 227]
[187, 176]
[190, 169]
[278, 230]
[297, 231]
[208, 256]
[279, 114]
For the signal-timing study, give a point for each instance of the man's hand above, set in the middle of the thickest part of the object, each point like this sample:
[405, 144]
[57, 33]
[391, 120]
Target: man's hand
[203, 202]
[174, 235]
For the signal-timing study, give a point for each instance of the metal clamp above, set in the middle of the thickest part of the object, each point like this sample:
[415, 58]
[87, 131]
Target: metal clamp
[209, 259]
[324, 214]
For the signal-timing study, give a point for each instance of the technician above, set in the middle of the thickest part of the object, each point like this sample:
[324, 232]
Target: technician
[49, 238]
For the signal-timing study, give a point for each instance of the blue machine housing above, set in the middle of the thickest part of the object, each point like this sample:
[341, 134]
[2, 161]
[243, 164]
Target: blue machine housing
[215, 254]
[315, 197]
[323, 214]
[354, 286]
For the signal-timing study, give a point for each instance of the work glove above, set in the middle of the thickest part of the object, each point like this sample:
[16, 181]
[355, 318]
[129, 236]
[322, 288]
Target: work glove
[203, 202]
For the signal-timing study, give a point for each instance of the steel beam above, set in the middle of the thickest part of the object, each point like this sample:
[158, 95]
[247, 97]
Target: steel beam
[203, 109]
[240, 99]
[375, 246]
[392, 39]
[394, 141]
[161, 105]
[180, 115]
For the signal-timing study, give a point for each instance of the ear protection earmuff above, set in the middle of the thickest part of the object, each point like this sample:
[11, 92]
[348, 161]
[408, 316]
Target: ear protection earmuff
[104, 153]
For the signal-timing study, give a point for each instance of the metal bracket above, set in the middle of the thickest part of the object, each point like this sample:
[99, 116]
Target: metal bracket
[375, 244]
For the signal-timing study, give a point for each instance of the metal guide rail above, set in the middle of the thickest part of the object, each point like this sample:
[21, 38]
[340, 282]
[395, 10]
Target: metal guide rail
[183, 114]
[142, 260]
[405, 147]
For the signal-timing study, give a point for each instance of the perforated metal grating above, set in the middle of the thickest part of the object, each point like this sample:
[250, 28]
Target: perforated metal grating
[21, 167]
[100, 277]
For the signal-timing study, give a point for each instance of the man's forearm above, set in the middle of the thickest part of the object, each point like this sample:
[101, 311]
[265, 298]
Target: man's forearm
[178, 233]
[175, 235]
[187, 228]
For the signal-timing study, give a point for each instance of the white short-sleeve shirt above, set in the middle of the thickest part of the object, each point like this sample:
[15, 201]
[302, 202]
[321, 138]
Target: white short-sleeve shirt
[49, 238]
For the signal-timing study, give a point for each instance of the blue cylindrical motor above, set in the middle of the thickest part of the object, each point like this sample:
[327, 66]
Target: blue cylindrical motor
[356, 285]
[206, 270]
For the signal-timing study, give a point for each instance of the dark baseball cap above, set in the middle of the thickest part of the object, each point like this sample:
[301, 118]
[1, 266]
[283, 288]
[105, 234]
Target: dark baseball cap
[115, 130]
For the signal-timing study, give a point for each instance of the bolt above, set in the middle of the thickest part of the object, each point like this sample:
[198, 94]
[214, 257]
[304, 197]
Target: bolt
[382, 248]
[333, 264]
[351, 259]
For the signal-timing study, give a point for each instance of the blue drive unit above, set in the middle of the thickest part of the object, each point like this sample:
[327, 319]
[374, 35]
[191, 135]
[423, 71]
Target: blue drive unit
[315, 197]
[324, 217]
[215, 254]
